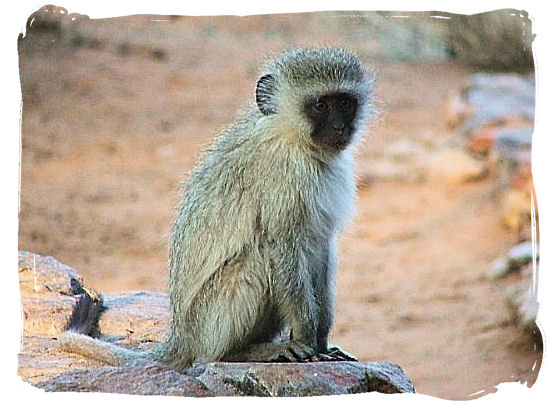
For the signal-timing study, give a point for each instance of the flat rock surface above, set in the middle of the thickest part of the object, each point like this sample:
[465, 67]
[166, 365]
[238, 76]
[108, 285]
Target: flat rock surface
[141, 315]
[238, 379]
[153, 379]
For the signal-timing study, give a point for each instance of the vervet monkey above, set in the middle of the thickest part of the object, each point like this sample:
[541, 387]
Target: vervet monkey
[254, 243]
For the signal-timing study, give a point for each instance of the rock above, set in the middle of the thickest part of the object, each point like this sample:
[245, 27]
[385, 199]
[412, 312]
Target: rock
[40, 275]
[522, 179]
[521, 296]
[456, 110]
[304, 379]
[404, 150]
[141, 316]
[388, 378]
[153, 379]
[406, 161]
[516, 210]
[387, 170]
[523, 300]
[40, 359]
[52, 19]
[500, 122]
[282, 380]
[499, 269]
[47, 19]
[500, 99]
[482, 140]
[509, 140]
[517, 257]
[54, 297]
[453, 166]
[521, 254]
[527, 308]
[512, 154]
[239, 379]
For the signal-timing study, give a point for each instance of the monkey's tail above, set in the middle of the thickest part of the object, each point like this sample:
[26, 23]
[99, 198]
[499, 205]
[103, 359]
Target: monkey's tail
[103, 351]
[84, 322]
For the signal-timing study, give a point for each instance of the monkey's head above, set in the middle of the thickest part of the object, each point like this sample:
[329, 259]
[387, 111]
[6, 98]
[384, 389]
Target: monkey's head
[320, 95]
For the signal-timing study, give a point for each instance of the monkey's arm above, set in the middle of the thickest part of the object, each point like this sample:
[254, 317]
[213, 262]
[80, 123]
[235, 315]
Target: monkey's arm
[295, 294]
[325, 296]
[323, 279]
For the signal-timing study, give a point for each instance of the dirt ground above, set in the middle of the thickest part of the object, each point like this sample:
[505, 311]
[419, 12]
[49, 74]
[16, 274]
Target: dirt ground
[112, 125]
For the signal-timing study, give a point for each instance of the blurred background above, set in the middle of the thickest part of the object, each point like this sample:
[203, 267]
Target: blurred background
[436, 271]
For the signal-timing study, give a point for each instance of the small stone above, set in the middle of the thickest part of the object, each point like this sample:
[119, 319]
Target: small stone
[389, 171]
[403, 150]
[482, 140]
[522, 180]
[516, 210]
[499, 269]
[509, 140]
[456, 110]
[517, 257]
[524, 304]
[521, 254]
[528, 310]
[453, 166]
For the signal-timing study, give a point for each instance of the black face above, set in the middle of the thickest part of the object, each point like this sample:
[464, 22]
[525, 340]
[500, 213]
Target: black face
[332, 116]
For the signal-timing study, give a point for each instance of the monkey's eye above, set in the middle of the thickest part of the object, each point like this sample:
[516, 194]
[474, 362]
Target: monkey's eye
[345, 103]
[320, 106]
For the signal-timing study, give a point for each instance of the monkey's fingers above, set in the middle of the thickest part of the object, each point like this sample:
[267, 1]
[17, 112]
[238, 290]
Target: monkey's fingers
[301, 351]
[286, 357]
[294, 352]
[340, 355]
[321, 357]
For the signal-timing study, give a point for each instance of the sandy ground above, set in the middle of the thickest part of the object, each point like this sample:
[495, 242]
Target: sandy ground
[109, 131]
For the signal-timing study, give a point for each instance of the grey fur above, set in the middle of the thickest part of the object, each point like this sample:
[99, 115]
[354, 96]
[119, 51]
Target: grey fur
[254, 242]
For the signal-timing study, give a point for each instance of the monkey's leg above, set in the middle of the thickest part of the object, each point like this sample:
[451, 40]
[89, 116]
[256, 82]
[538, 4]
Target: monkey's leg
[237, 313]
[282, 308]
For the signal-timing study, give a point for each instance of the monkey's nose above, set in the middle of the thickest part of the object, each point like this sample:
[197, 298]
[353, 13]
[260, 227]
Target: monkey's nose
[338, 126]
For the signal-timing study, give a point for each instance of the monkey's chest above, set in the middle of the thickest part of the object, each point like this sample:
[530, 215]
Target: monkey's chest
[333, 204]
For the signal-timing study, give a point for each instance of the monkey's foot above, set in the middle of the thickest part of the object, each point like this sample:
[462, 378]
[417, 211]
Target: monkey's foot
[333, 354]
[294, 351]
[291, 351]
[298, 352]
[339, 354]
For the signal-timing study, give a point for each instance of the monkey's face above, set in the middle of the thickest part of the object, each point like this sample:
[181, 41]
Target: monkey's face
[332, 117]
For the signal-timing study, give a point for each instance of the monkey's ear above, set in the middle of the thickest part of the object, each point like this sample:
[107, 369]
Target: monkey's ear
[265, 88]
